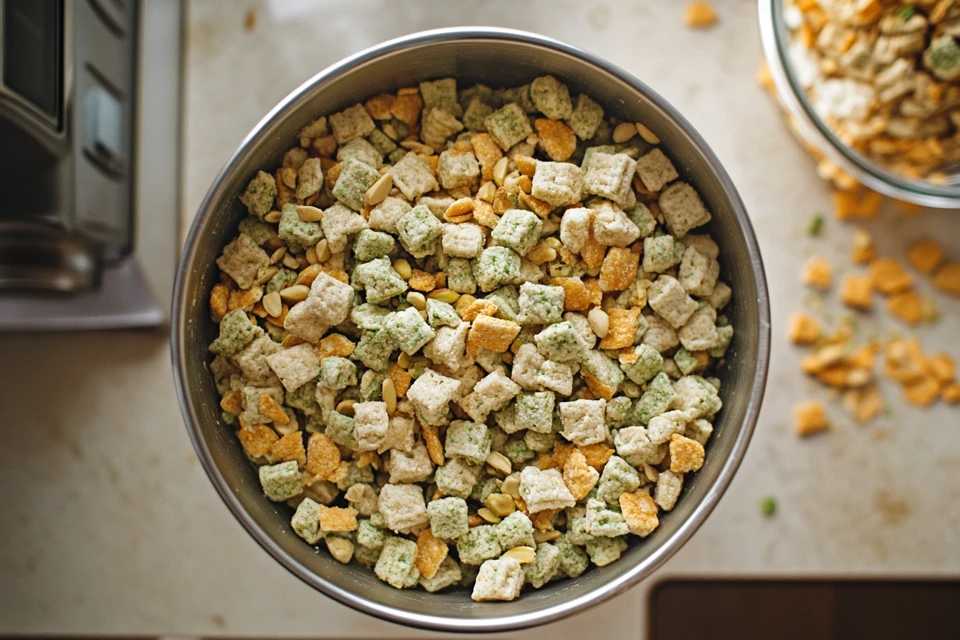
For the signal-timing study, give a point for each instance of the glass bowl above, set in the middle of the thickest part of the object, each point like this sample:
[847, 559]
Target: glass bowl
[775, 37]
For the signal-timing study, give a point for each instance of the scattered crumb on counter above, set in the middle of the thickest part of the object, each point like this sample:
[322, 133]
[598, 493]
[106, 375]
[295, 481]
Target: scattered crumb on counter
[768, 506]
[810, 417]
[700, 15]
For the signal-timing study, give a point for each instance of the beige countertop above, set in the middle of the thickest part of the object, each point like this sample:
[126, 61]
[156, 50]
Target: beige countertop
[109, 524]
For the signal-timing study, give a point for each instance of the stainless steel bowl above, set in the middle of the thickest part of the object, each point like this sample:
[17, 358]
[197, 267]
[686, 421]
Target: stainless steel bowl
[496, 57]
[812, 130]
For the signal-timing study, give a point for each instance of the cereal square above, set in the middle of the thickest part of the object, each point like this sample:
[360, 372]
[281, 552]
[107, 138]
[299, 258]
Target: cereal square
[698, 273]
[306, 521]
[396, 564]
[683, 210]
[656, 170]
[242, 258]
[669, 485]
[667, 297]
[384, 216]
[633, 445]
[543, 490]
[478, 545]
[353, 122]
[492, 393]
[339, 223]
[609, 176]
[561, 342]
[457, 169]
[379, 280]
[281, 482]
[469, 440]
[508, 125]
[371, 244]
[448, 518]
[370, 424]
[540, 304]
[419, 231]
[441, 94]
[496, 266]
[457, 477]
[431, 392]
[295, 366]
[259, 194]
[551, 97]
[407, 467]
[519, 230]
[408, 330]
[612, 227]
[403, 507]
[462, 240]
[535, 411]
[583, 421]
[447, 347]
[412, 177]
[558, 183]
[585, 117]
[438, 125]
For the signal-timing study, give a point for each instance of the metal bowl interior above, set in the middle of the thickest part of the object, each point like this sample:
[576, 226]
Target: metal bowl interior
[499, 58]
[776, 40]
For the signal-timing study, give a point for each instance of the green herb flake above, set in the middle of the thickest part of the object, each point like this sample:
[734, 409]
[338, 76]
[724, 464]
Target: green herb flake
[815, 225]
[905, 13]
[768, 506]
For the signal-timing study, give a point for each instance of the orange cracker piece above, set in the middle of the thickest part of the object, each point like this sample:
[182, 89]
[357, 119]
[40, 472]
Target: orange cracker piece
[219, 295]
[857, 204]
[431, 551]
[619, 269]
[576, 296]
[245, 298]
[308, 275]
[422, 281]
[834, 375]
[855, 291]
[232, 402]
[948, 278]
[804, 329]
[338, 519]
[539, 207]
[491, 333]
[487, 152]
[685, 454]
[599, 389]
[379, 106]
[556, 458]
[526, 165]
[817, 273]
[925, 255]
[951, 392]
[863, 250]
[623, 328]
[335, 344]
[291, 340]
[593, 252]
[887, 276]
[597, 455]
[434, 446]
[333, 272]
[401, 379]
[810, 418]
[323, 456]
[270, 408]
[922, 392]
[479, 308]
[557, 139]
[640, 512]
[941, 366]
[287, 448]
[863, 358]
[406, 108]
[579, 477]
[906, 305]
[543, 520]
[700, 15]
[257, 440]
[863, 404]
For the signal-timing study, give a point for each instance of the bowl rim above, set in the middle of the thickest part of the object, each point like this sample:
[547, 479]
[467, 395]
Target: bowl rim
[815, 131]
[423, 620]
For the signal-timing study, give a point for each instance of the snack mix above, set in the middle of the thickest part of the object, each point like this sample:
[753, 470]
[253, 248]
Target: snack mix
[468, 336]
